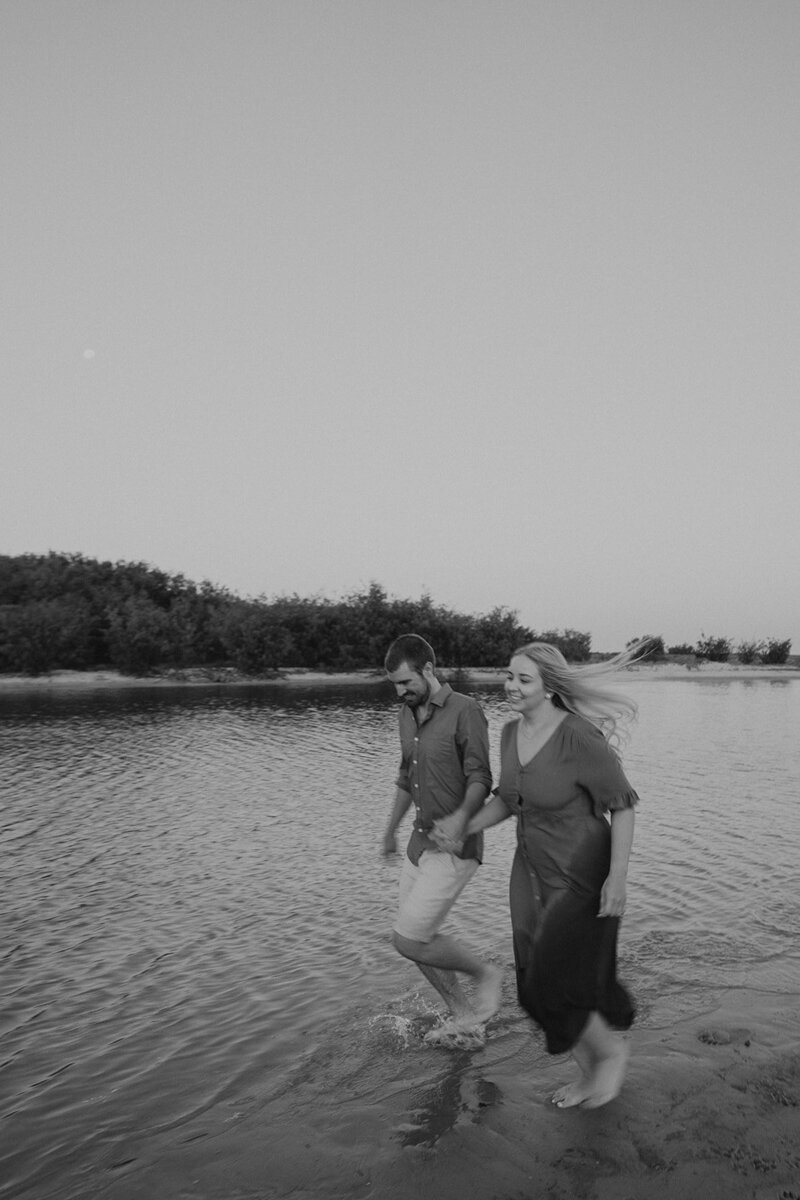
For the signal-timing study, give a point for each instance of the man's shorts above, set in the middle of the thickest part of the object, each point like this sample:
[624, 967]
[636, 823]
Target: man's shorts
[428, 891]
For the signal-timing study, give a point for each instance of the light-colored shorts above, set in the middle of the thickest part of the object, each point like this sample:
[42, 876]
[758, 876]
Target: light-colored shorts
[428, 890]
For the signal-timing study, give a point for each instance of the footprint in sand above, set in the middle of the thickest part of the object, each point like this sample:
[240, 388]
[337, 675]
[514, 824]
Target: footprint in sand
[724, 1037]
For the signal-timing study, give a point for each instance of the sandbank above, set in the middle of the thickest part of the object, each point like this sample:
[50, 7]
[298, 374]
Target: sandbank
[297, 676]
[666, 671]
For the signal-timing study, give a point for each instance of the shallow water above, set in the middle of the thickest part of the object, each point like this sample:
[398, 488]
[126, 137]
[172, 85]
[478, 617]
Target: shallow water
[196, 914]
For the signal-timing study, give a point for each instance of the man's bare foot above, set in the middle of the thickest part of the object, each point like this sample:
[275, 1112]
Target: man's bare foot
[606, 1080]
[487, 997]
[464, 1017]
[454, 1034]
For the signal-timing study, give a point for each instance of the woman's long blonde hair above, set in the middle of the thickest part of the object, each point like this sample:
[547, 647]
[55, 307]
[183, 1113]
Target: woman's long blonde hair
[575, 690]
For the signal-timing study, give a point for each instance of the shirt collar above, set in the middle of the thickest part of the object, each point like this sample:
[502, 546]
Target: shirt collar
[441, 696]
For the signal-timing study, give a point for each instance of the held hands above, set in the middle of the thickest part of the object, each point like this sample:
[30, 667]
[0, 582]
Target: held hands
[448, 833]
[612, 898]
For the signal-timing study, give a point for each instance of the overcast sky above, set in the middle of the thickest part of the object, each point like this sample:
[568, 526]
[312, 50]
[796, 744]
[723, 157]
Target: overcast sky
[493, 300]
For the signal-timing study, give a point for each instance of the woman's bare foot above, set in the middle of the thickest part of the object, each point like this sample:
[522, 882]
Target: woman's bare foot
[600, 1082]
[584, 1058]
[572, 1095]
[606, 1079]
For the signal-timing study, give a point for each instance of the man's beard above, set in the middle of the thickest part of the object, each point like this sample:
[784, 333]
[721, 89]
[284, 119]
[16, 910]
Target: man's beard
[415, 701]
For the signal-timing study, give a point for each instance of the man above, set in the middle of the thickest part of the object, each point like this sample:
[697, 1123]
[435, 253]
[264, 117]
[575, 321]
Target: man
[445, 774]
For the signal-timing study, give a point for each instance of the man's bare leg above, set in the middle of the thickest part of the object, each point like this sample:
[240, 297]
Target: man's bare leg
[446, 956]
[448, 985]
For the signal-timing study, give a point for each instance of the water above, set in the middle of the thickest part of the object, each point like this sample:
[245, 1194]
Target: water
[196, 915]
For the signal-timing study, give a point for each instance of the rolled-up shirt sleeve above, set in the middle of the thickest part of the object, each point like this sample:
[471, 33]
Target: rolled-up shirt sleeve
[473, 738]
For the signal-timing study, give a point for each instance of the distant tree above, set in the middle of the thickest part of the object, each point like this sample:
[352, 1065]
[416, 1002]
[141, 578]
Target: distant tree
[715, 649]
[576, 647]
[44, 635]
[652, 649]
[775, 652]
[495, 637]
[370, 622]
[254, 641]
[138, 636]
[682, 648]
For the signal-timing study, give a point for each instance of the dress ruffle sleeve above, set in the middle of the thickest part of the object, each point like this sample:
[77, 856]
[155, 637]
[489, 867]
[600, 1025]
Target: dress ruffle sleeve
[599, 770]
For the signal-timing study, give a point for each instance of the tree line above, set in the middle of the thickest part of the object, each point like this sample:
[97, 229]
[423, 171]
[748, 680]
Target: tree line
[65, 611]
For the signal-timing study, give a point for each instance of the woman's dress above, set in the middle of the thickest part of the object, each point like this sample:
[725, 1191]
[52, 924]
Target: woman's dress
[565, 955]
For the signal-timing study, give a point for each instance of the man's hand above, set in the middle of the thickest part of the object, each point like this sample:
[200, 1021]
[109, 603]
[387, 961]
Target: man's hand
[448, 832]
[389, 845]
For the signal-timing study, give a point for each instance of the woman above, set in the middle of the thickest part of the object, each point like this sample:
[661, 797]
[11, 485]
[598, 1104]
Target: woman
[564, 783]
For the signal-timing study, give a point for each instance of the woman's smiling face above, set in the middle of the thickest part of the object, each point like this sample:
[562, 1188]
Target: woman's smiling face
[524, 688]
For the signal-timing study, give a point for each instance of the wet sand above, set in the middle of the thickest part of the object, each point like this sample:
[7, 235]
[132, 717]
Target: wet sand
[709, 1111]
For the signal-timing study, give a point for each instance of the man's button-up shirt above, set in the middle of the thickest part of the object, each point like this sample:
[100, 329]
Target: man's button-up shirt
[440, 759]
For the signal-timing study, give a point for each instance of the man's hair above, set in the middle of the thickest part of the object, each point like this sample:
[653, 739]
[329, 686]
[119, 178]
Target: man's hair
[409, 648]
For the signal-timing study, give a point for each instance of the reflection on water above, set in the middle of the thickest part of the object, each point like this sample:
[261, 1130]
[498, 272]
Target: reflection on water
[196, 890]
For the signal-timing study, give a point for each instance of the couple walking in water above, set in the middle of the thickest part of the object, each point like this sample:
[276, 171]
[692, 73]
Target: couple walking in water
[561, 778]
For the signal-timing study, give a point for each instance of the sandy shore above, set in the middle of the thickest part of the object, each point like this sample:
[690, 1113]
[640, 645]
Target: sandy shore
[659, 671]
[709, 1111]
[205, 677]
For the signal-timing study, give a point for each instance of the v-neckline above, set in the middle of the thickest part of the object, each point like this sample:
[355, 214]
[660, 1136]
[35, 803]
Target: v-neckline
[536, 753]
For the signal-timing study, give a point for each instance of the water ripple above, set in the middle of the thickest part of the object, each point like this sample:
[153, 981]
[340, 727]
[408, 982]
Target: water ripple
[197, 879]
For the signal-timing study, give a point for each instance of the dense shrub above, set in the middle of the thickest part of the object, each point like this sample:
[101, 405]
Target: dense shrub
[683, 648]
[749, 652]
[715, 649]
[775, 652]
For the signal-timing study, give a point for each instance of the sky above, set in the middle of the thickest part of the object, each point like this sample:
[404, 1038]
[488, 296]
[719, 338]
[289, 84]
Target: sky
[488, 300]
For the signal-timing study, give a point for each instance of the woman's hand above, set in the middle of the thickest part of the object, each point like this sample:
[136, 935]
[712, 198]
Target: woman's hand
[612, 898]
[493, 812]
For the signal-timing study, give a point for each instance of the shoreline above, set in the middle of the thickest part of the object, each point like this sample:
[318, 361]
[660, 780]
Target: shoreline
[298, 676]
